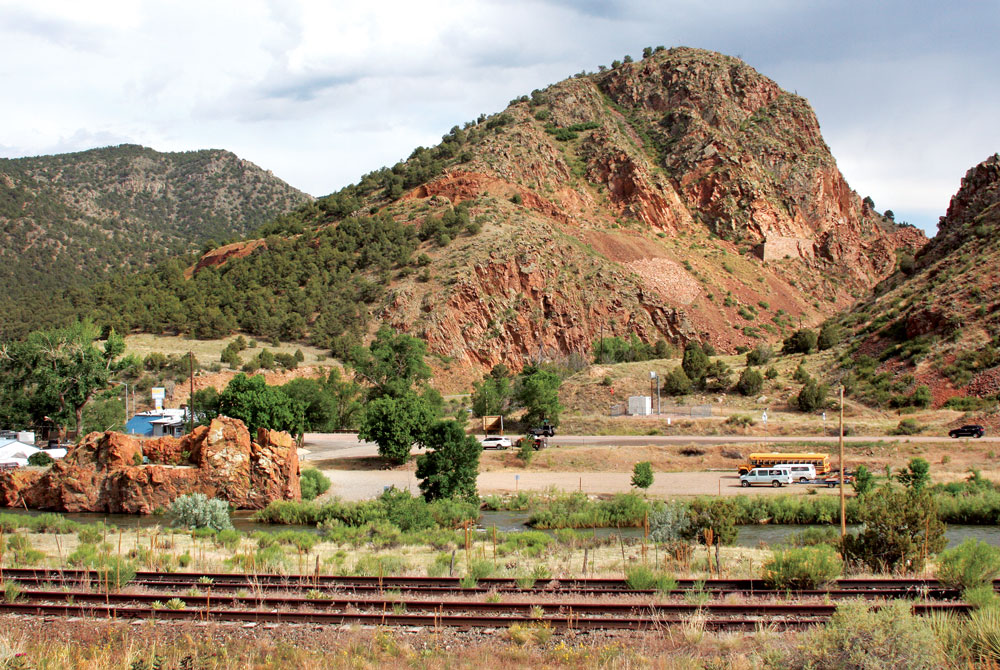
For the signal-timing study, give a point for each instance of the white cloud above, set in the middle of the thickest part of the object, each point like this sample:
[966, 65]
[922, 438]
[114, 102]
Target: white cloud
[322, 92]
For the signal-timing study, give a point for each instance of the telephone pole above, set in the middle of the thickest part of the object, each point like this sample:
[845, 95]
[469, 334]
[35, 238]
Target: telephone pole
[843, 499]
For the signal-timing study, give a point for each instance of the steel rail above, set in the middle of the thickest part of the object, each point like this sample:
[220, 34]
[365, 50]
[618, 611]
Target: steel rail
[870, 594]
[488, 583]
[394, 618]
[526, 607]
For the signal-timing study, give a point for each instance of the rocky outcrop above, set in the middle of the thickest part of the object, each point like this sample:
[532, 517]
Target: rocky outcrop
[104, 473]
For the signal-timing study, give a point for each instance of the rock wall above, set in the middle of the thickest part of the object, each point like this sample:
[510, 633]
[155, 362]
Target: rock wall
[775, 248]
[220, 460]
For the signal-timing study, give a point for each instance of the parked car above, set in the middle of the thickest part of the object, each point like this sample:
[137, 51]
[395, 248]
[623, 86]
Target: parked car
[967, 431]
[496, 442]
[801, 472]
[544, 430]
[773, 476]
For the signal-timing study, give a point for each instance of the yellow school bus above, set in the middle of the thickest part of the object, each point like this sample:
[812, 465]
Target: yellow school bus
[821, 461]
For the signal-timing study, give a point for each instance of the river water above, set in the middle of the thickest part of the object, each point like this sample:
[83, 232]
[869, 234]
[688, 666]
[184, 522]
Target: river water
[749, 536]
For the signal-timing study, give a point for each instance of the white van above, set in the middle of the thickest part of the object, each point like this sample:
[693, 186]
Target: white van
[775, 476]
[801, 472]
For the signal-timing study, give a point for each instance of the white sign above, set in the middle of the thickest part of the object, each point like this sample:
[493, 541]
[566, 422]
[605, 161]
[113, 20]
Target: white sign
[763, 416]
[159, 392]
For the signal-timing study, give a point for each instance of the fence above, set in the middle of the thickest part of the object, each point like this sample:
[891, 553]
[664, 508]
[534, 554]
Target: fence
[693, 411]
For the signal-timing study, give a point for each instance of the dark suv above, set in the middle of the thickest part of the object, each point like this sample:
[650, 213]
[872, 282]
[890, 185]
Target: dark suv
[967, 431]
[547, 430]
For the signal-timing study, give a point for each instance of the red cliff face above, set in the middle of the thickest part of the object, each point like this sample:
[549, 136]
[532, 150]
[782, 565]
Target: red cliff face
[631, 202]
[945, 303]
[101, 473]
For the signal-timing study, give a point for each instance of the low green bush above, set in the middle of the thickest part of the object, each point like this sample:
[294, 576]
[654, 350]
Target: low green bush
[196, 510]
[380, 566]
[803, 567]
[860, 636]
[970, 564]
[313, 483]
[644, 578]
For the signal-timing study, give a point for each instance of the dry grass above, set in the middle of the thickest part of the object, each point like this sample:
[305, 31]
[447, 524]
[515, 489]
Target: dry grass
[209, 351]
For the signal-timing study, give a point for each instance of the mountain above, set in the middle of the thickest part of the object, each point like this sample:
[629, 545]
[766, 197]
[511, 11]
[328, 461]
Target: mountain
[682, 197]
[936, 322]
[70, 219]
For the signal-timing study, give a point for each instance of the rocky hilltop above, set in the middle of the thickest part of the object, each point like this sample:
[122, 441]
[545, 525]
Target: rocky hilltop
[685, 196]
[937, 320]
[70, 219]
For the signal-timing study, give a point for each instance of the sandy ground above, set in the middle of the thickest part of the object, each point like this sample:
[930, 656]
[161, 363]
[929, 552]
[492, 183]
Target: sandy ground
[355, 473]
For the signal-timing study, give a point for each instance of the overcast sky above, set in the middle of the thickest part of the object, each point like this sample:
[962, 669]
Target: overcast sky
[907, 93]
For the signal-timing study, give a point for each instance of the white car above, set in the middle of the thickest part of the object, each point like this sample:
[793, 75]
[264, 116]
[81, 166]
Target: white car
[496, 442]
[774, 476]
[801, 472]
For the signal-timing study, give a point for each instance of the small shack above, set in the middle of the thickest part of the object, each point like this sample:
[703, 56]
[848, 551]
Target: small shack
[158, 423]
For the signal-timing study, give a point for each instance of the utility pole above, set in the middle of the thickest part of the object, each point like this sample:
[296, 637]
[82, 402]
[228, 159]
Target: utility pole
[191, 397]
[843, 500]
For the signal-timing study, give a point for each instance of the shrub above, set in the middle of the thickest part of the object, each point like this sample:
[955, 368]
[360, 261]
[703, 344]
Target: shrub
[228, 538]
[740, 420]
[479, 569]
[526, 450]
[380, 566]
[800, 342]
[803, 568]
[858, 636]
[970, 564]
[811, 396]
[643, 578]
[677, 382]
[642, 475]
[760, 355]
[195, 510]
[40, 459]
[907, 427]
[771, 373]
[750, 383]
[917, 474]
[898, 527]
[864, 480]
[313, 483]
[983, 633]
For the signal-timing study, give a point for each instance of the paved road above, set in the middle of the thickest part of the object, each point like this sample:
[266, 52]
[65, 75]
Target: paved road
[337, 441]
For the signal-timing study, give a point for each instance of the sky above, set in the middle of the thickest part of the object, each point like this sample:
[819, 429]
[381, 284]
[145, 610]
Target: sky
[907, 93]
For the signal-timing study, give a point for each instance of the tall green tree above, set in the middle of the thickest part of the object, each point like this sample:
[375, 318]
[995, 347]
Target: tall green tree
[258, 405]
[392, 364]
[450, 468]
[396, 424]
[54, 374]
[493, 394]
[346, 396]
[538, 392]
[899, 529]
[695, 363]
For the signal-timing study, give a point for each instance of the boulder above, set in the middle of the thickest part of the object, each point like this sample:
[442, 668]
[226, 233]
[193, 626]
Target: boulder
[103, 473]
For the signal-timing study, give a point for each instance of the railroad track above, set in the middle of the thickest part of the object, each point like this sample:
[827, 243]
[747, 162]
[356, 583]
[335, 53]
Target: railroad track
[434, 613]
[443, 603]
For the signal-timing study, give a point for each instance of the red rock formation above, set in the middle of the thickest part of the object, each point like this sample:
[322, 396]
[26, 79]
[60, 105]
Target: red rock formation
[100, 474]
[220, 255]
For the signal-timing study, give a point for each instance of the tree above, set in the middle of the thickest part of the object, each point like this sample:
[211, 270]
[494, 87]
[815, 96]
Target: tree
[258, 405]
[538, 392]
[676, 382]
[694, 362]
[750, 383]
[317, 405]
[802, 341]
[718, 376]
[760, 355]
[811, 396]
[206, 405]
[829, 336]
[392, 364]
[450, 468]
[346, 397]
[899, 529]
[917, 474]
[53, 374]
[864, 480]
[493, 394]
[396, 424]
[642, 475]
